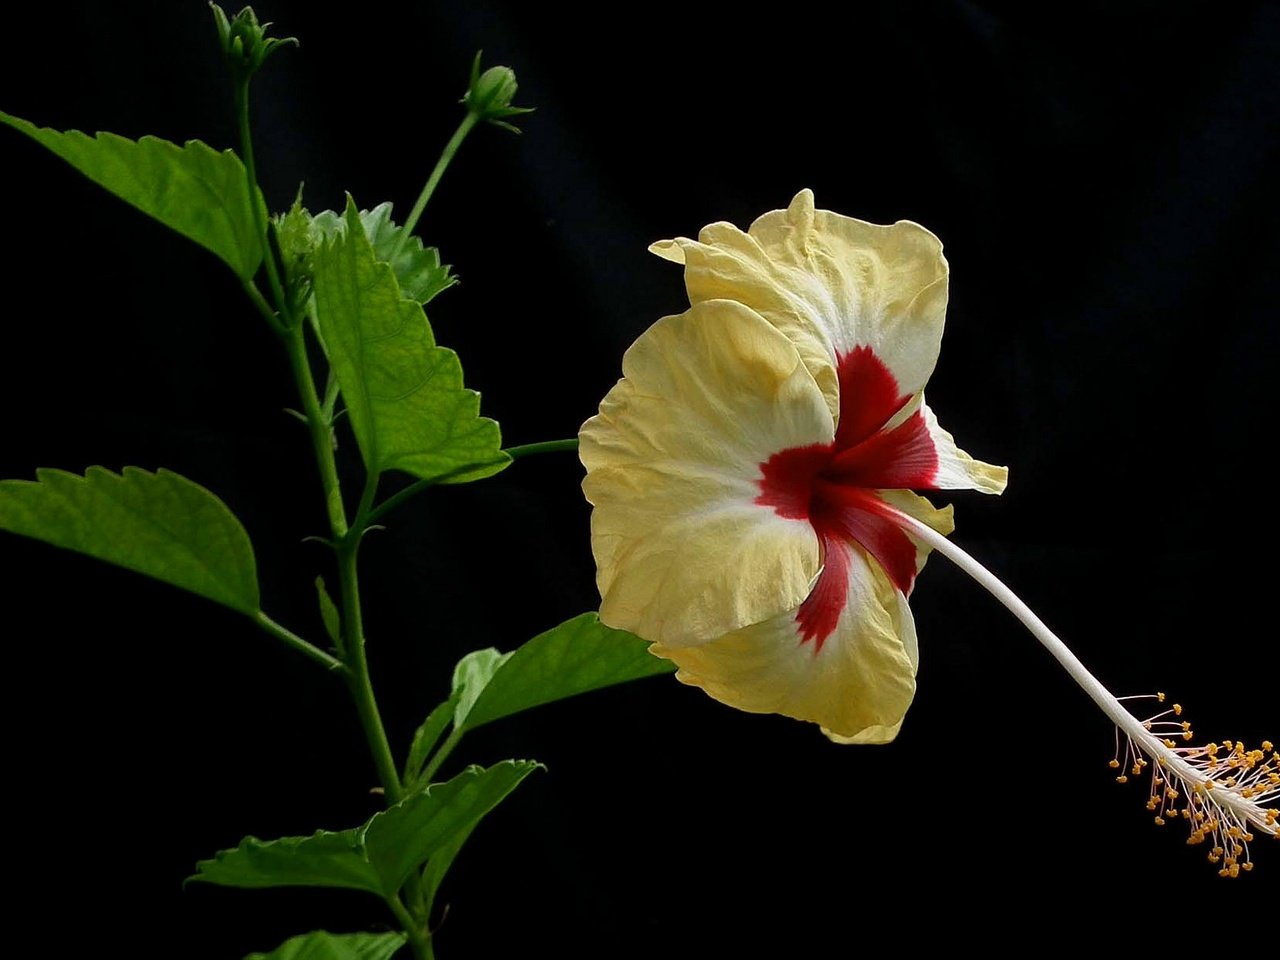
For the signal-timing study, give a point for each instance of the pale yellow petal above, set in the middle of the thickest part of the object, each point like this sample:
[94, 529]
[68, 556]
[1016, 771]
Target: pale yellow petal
[683, 552]
[857, 685]
[830, 283]
[869, 735]
[956, 469]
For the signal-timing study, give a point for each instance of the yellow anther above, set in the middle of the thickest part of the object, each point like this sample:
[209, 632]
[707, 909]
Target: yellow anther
[1122, 779]
[1169, 743]
[1137, 769]
[1177, 709]
[1114, 764]
[1159, 821]
[1267, 745]
[1247, 865]
[1188, 735]
[1160, 697]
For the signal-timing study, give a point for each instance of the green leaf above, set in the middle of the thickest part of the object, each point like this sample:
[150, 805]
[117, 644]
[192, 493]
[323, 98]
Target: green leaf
[324, 859]
[580, 655]
[379, 856]
[193, 189]
[160, 524]
[437, 867]
[418, 269]
[404, 394]
[320, 945]
[426, 737]
[329, 613]
[470, 678]
[410, 833]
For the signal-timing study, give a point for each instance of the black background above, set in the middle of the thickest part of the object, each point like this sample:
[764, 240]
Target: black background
[1103, 177]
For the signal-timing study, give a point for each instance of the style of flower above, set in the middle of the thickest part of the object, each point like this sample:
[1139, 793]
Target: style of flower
[751, 471]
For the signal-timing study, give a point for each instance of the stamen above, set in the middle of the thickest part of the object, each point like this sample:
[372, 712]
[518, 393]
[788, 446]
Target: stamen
[1204, 801]
[1223, 791]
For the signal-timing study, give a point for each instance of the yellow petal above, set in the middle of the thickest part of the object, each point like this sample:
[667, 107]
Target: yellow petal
[683, 552]
[956, 469]
[857, 684]
[830, 283]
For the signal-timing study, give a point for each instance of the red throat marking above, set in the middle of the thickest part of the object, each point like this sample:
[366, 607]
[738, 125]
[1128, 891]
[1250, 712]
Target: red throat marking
[833, 486]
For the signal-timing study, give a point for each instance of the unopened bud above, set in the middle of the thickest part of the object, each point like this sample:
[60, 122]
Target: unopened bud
[244, 40]
[489, 94]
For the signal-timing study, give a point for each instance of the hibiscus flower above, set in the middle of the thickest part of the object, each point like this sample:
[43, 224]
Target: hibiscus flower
[750, 471]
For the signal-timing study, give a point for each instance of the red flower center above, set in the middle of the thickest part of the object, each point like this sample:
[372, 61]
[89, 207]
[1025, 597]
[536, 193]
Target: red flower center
[833, 486]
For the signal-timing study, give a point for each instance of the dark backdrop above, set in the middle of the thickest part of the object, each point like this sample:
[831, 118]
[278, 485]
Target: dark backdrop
[1103, 178]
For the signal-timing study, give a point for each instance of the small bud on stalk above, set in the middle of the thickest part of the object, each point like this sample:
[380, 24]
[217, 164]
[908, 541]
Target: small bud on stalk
[245, 43]
[489, 95]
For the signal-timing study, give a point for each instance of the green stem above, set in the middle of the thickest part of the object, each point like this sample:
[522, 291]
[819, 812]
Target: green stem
[346, 541]
[358, 672]
[321, 439]
[330, 401]
[450, 148]
[347, 547]
[372, 516]
[255, 199]
[515, 453]
[441, 755]
[546, 446]
[419, 938]
[366, 501]
[293, 640]
[264, 308]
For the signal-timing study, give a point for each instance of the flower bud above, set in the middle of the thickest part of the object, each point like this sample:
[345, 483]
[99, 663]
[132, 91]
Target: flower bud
[489, 94]
[245, 43]
[297, 239]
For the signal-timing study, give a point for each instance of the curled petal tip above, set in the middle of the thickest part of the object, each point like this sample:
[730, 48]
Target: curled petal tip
[668, 250]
